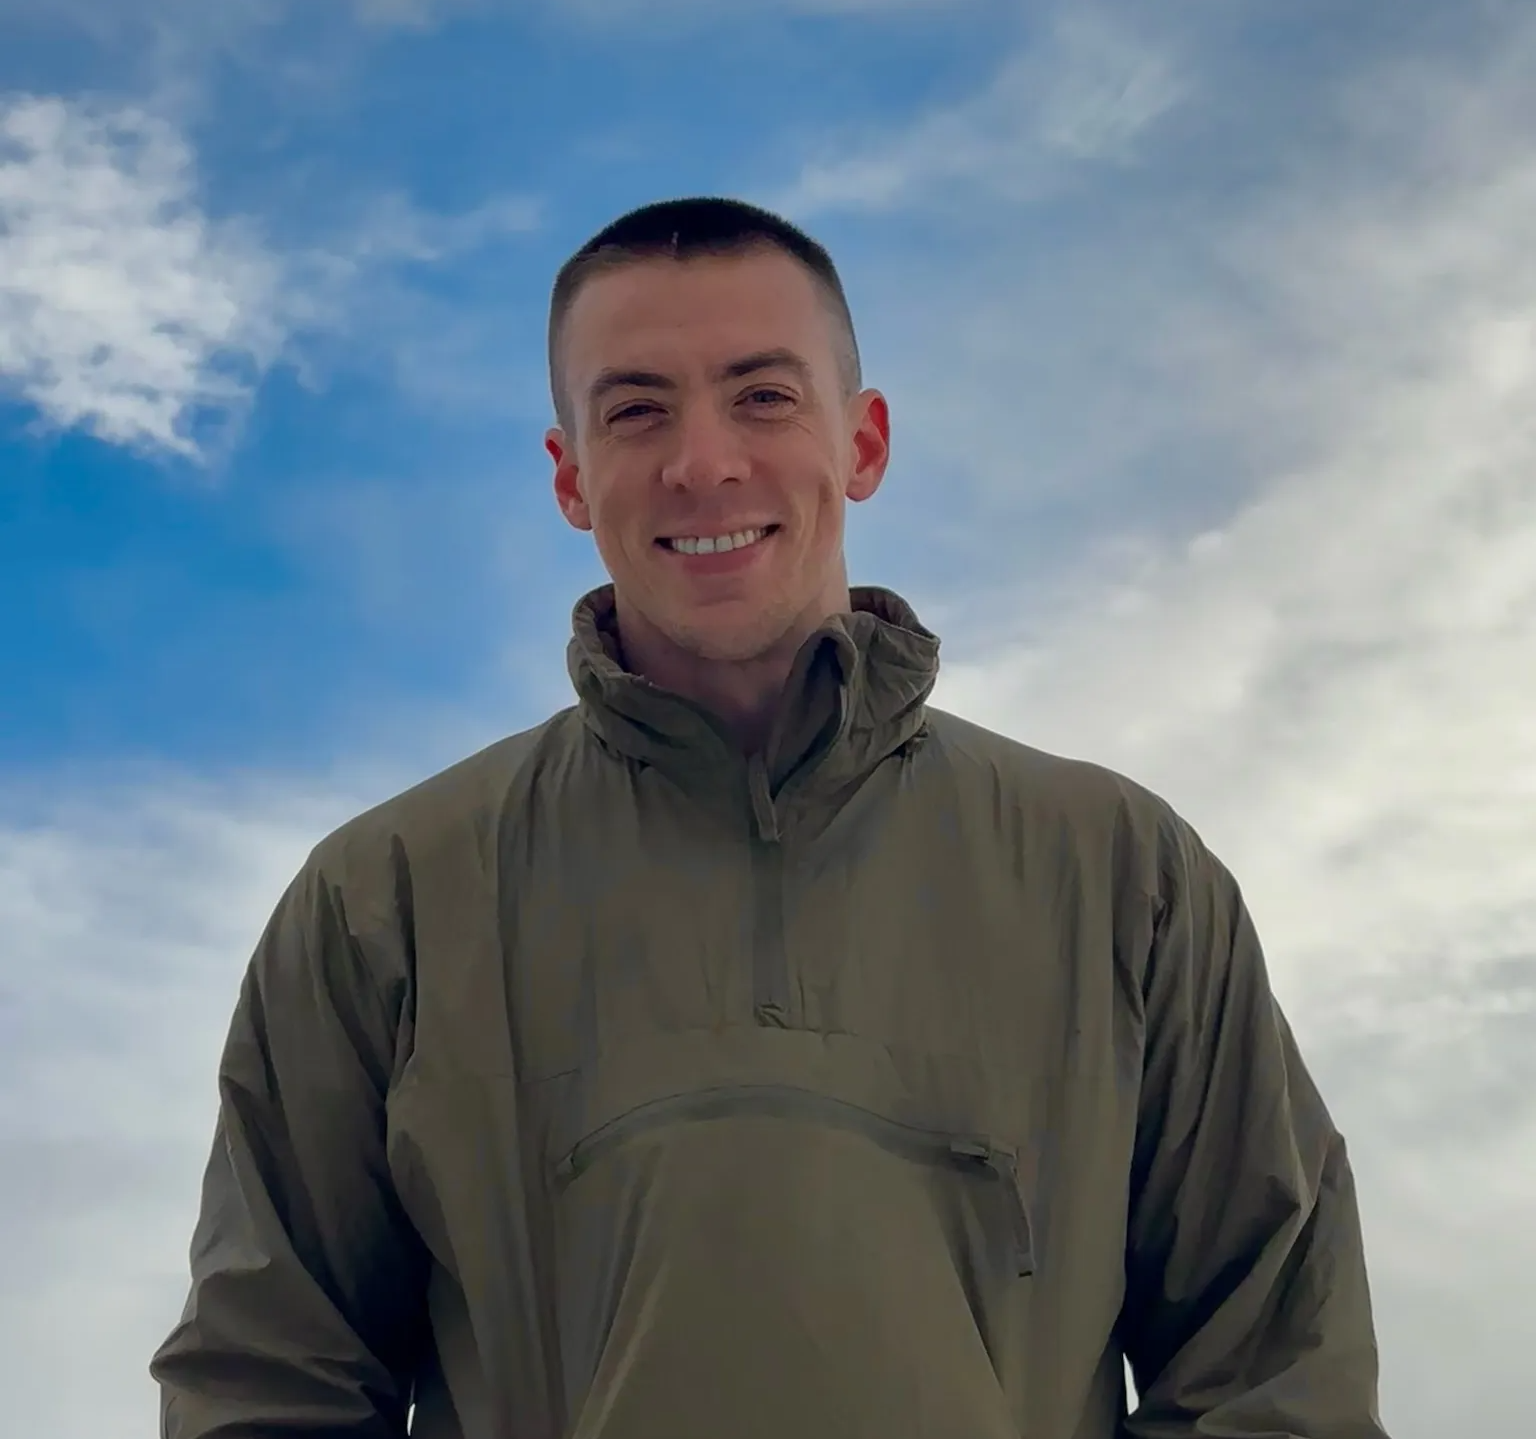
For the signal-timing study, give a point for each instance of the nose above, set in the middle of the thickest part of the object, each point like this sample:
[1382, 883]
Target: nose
[706, 450]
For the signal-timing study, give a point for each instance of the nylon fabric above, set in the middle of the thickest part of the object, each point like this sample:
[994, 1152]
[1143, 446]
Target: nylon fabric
[897, 1083]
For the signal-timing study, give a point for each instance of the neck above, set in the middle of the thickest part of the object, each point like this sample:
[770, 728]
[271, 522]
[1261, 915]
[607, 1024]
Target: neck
[742, 694]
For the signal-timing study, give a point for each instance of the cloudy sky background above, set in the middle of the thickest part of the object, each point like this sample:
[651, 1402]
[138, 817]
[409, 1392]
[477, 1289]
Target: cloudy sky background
[1211, 344]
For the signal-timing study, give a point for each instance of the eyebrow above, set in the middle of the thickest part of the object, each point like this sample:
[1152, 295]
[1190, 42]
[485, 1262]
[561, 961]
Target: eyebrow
[775, 359]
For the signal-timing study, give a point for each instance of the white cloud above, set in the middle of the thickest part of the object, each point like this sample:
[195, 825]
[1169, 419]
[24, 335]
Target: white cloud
[411, 14]
[1373, 610]
[393, 228]
[127, 918]
[1333, 678]
[1084, 90]
[124, 310]
[609, 12]
[108, 19]
[1336, 680]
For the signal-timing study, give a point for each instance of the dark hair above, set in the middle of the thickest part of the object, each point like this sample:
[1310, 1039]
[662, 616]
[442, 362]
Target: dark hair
[691, 229]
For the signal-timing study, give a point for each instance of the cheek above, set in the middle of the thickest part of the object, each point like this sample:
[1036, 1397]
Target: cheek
[616, 542]
[612, 506]
[623, 529]
[830, 506]
[817, 488]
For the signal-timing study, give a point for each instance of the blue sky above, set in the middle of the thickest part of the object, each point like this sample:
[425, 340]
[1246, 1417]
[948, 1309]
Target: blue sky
[396, 200]
[379, 488]
[1208, 332]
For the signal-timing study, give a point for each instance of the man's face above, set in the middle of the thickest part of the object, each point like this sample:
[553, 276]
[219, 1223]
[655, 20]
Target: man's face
[714, 448]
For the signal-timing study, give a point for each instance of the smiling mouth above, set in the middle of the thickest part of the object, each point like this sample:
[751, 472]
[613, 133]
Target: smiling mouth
[717, 544]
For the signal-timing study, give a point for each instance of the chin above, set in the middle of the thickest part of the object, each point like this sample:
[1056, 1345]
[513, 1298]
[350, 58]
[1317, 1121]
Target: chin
[724, 649]
[730, 644]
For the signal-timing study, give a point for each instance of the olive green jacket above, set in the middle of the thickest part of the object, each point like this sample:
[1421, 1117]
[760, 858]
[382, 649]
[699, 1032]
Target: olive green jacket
[901, 1081]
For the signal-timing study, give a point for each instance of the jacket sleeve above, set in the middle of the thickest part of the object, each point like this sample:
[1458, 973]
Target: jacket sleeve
[1247, 1309]
[307, 1281]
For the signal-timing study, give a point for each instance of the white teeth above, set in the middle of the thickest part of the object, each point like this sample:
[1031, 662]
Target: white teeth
[695, 545]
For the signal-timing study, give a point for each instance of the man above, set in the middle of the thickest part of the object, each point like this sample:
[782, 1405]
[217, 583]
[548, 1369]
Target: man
[752, 1051]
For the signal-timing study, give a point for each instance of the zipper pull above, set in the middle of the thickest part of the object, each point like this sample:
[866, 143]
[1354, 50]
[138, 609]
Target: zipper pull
[1000, 1164]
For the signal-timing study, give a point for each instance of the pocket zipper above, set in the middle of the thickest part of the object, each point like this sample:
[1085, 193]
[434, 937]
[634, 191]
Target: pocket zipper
[974, 1155]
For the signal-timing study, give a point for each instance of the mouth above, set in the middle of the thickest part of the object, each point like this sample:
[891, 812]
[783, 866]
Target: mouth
[743, 539]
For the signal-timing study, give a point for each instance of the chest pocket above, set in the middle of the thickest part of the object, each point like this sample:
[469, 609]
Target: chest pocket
[761, 1176]
[988, 1163]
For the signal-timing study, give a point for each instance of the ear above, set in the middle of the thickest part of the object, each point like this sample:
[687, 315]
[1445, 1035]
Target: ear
[871, 418]
[568, 490]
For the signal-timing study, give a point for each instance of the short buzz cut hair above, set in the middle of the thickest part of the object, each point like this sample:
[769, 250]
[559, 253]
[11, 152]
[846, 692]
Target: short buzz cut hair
[689, 229]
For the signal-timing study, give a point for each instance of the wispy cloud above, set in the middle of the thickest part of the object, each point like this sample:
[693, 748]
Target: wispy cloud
[1331, 670]
[130, 313]
[106, 18]
[417, 13]
[414, 14]
[127, 920]
[1083, 90]
[124, 310]
[1335, 680]
[609, 12]
[109, 18]
[393, 228]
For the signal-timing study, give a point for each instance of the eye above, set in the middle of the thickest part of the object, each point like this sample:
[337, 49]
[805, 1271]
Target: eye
[765, 397]
[634, 410]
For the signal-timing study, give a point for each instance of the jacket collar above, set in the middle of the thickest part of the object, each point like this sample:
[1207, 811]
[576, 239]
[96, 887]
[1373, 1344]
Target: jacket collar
[856, 693]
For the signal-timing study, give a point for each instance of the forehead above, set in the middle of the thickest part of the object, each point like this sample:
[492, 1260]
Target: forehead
[674, 315]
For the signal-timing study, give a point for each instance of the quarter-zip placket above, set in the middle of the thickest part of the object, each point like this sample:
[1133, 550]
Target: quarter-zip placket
[773, 1003]
[770, 961]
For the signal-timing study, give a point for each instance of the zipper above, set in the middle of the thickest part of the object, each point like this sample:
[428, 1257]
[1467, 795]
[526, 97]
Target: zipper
[993, 1163]
[770, 960]
[772, 1005]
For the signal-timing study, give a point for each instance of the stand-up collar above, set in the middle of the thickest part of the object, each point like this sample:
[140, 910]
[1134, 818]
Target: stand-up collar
[855, 694]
